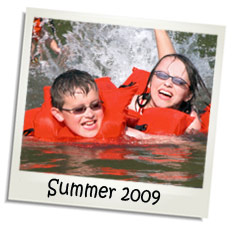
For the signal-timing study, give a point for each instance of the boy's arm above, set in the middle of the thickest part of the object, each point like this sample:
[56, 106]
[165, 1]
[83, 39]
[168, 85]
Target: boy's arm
[164, 44]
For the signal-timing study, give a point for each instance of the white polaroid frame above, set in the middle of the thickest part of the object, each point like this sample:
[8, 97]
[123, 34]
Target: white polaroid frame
[174, 200]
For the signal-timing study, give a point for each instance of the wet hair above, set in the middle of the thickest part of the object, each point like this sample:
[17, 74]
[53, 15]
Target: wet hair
[67, 83]
[194, 78]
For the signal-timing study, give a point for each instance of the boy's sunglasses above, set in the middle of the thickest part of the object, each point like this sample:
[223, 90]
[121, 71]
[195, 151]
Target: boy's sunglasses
[176, 80]
[94, 106]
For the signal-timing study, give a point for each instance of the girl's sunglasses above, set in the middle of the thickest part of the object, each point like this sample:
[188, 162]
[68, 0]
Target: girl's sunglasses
[176, 80]
[94, 106]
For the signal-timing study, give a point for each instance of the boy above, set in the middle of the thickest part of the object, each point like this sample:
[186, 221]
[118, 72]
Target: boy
[72, 109]
[75, 101]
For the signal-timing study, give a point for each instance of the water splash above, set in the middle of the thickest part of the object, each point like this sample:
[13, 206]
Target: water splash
[112, 50]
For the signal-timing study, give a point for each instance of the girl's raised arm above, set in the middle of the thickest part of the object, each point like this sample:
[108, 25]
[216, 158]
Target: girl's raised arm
[164, 44]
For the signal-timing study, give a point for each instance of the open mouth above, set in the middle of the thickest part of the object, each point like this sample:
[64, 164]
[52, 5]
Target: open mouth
[165, 93]
[89, 124]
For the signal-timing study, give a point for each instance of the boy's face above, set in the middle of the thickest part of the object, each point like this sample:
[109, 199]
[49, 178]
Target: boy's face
[87, 123]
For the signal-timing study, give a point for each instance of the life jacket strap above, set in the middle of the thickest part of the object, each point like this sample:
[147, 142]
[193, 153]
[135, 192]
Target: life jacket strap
[27, 132]
[141, 127]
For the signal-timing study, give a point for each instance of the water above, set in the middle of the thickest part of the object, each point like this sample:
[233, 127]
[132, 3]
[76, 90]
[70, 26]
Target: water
[106, 50]
[164, 163]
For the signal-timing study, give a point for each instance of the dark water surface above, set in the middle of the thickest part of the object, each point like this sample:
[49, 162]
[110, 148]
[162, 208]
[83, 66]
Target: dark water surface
[166, 163]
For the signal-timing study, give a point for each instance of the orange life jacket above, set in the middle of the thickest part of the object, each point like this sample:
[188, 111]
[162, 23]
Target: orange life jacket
[155, 120]
[205, 117]
[37, 28]
[45, 127]
[140, 77]
[165, 121]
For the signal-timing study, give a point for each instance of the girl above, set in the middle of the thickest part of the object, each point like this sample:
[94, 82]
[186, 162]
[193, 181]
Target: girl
[172, 83]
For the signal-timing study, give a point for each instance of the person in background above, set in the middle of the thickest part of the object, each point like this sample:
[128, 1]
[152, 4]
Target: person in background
[39, 34]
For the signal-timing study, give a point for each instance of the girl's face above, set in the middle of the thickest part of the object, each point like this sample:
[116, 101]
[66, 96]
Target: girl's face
[166, 94]
[83, 113]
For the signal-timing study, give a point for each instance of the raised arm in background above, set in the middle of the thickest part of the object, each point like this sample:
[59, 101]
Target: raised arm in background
[164, 44]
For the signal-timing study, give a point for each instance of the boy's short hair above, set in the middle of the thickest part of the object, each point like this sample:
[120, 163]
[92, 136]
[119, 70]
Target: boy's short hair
[67, 83]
